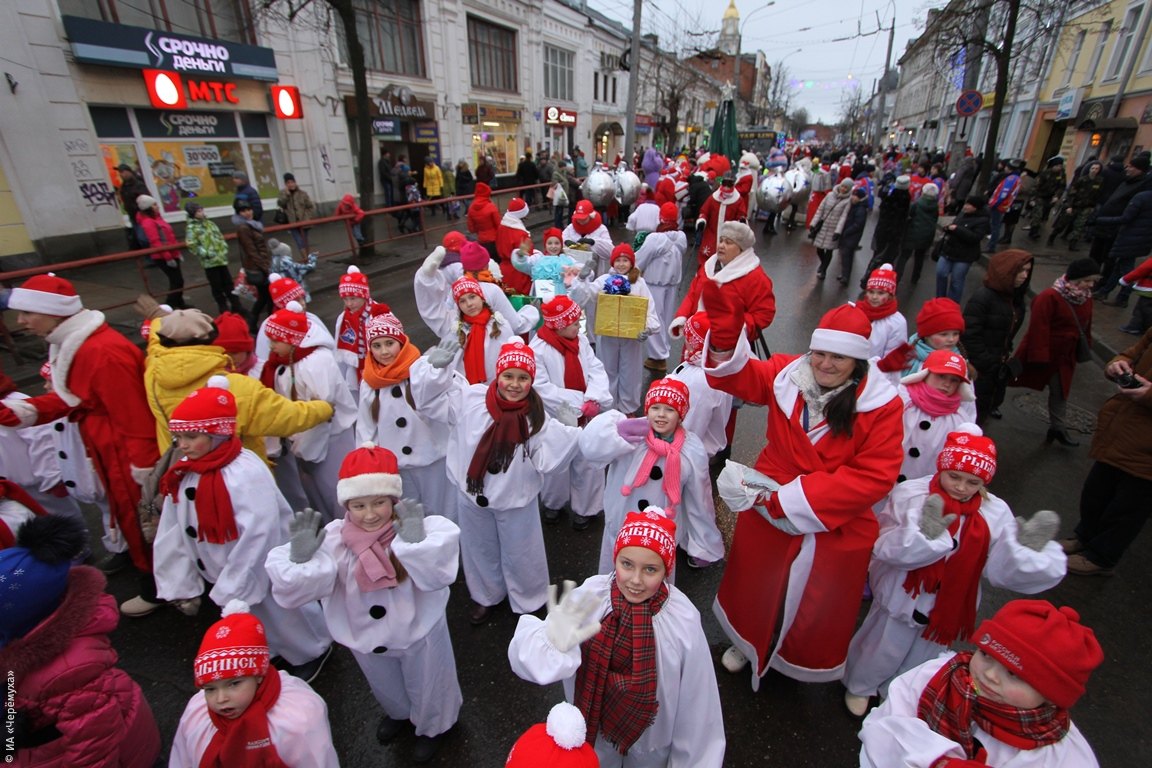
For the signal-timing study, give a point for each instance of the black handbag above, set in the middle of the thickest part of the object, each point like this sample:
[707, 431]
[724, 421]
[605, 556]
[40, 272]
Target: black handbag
[814, 230]
[281, 216]
[255, 277]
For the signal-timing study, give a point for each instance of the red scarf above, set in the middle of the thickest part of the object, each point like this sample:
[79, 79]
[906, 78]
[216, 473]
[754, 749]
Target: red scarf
[570, 348]
[497, 446]
[877, 313]
[274, 361]
[670, 452]
[213, 502]
[952, 708]
[374, 569]
[9, 490]
[350, 331]
[246, 741]
[955, 578]
[932, 401]
[588, 227]
[475, 369]
[616, 681]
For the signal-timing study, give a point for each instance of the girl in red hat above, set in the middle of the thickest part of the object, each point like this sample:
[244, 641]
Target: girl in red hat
[439, 272]
[349, 331]
[889, 328]
[587, 229]
[660, 258]
[479, 331]
[939, 535]
[282, 290]
[939, 325]
[551, 270]
[937, 400]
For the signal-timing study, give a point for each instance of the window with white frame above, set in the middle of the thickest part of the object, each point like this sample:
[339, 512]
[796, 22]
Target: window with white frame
[1098, 53]
[492, 56]
[1123, 43]
[1074, 57]
[559, 74]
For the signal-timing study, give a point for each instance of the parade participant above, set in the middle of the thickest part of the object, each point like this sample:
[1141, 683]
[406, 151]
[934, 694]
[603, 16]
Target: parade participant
[660, 258]
[434, 291]
[388, 417]
[283, 290]
[1004, 704]
[1049, 188]
[939, 325]
[653, 460]
[724, 205]
[801, 549]
[630, 650]
[67, 703]
[623, 358]
[551, 270]
[484, 217]
[382, 574]
[351, 344]
[822, 184]
[568, 371]
[501, 445]
[249, 714]
[939, 535]
[16, 509]
[826, 224]
[510, 236]
[889, 328]
[561, 742]
[708, 416]
[587, 228]
[480, 331]
[1080, 204]
[937, 400]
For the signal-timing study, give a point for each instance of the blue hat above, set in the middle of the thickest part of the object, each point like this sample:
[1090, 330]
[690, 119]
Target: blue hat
[34, 573]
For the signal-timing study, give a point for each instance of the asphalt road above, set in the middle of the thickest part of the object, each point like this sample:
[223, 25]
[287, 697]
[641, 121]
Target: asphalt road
[786, 723]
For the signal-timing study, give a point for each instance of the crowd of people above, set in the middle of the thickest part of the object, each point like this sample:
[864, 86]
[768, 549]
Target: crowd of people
[324, 486]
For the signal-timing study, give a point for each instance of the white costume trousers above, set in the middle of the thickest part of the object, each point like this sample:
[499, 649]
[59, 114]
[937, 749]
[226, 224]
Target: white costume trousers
[503, 554]
[659, 346]
[297, 635]
[624, 363]
[581, 487]
[319, 478]
[287, 476]
[882, 649]
[429, 485]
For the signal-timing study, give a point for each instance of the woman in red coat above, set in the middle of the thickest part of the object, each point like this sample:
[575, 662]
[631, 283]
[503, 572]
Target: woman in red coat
[484, 219]
[1060, 314]
[805, 531]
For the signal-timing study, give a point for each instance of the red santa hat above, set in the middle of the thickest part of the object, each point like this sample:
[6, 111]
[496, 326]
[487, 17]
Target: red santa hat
[553, 232]
[232, 333]
[883, 278]
[967, 450]
[844, 330]
[289, 324]
[517, 207]
[947, 363]
[385, 325]
[283, 290]
[559, 743]
[516, 354]
[1045, 646]
[583, 210]
[473, 256]
[625, 250]
[466, 285]
[353, 283]
[47, 295]
[670, 392]
[937, 316]
[210, 409]
[369, 471]
[560, 312]
[235, 646]
[453, 241]
[650, 529]
[669, 213]
[695, 331]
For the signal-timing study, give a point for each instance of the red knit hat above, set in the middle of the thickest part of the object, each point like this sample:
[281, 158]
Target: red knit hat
[669, 213]
[517, 207]
[671, 392]
[453, 241]
[1045, 646]
[235, 646]
[46, 294]
[583, 210]
[283, 290]
[559, 743]
[883, 278]
[695, 331]
[385, 326]
[937, 316]
[210, 409]
[232, 333]
[553, 232]
[516, 354]
[844, 330]
[353, 283]
[967, 450]
[466, 285]
[289, 324]
[649, 529]
[626, 251]
[473, 256]
[369, 471]
[560, 312]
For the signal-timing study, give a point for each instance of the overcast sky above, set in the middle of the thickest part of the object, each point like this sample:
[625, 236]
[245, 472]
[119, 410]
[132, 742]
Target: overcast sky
[827, 46]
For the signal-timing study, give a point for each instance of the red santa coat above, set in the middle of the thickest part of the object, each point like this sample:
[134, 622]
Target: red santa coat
[98, 382]
[747, 285]
[509, 236]
[717, 209]
[1049, 345]
[810, 584]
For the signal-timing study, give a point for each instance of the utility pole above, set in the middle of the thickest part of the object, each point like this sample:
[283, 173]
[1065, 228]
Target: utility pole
[633, 84]
[881, 128]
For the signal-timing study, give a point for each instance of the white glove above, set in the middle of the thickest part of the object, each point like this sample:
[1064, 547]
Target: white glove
[742, 487]
[570, 621]
[567, 415]
[676, 327]
[410, 521]
[643, 335]
[586, 270]
[442, 355]
[433, 261]
[1038, 531]
[933, 521]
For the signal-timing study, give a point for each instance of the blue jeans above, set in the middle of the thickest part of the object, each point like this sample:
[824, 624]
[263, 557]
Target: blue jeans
[995, 219]
[954, 271]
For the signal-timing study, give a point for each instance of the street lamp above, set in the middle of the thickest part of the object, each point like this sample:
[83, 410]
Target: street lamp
[780, 62]
[740, 45]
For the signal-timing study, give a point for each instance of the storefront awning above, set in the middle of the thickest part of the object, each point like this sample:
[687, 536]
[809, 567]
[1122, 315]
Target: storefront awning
[612, 128]
[1109, 124]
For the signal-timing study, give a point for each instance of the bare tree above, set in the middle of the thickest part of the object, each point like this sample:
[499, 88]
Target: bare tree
[797, 121]
[853, 116]
[779, 92]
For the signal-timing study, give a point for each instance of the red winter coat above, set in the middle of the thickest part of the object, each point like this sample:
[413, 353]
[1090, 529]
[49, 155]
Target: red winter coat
[1049, 344]
[66, 678]
[483, 215]
[745, 282]
[508, 239]
[736, 209]
[814, 579]
[158, 232]
[348, 206]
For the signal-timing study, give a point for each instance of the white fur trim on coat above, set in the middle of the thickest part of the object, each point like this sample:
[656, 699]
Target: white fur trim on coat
[841, 343]
[65, 339]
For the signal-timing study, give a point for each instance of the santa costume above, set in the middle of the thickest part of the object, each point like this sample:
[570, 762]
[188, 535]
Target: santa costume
[351, 345]
[16, 508]
[930, 415]
[660, 258]
[509, 237]
[725, 204]
[708, 415]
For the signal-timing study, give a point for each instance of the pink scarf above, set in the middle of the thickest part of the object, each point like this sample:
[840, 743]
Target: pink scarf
[670, 452]
[932, 401]
[374, 568]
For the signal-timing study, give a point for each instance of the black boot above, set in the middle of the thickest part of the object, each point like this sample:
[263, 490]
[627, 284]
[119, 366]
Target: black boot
[1059, 436]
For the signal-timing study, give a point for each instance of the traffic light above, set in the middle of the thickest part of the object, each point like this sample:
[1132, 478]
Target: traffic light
[286, 102]
[165, 89]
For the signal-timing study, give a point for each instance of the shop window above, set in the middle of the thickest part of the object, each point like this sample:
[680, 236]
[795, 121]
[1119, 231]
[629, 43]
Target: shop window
[559, 74]
[492, 56]
[392, 35]
[214, 19]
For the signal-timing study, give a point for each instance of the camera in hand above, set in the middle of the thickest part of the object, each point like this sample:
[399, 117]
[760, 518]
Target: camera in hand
[1128, 381]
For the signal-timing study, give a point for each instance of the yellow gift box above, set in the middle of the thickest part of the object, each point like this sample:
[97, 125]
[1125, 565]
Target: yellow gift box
[622, 317]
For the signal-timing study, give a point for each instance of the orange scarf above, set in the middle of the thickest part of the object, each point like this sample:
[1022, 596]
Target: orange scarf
[378, 376]
[475, 369]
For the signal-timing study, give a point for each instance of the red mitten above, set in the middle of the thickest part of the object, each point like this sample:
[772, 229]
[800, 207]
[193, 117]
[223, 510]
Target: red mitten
[8, 417]
[726, 319]
[897, 359]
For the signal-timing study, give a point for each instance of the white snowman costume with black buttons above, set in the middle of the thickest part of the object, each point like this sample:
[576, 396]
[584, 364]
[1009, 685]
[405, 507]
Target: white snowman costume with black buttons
[924, 435]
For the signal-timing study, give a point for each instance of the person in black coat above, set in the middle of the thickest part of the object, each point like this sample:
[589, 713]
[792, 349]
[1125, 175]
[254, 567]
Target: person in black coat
[961, 247]
[992, 318]
[851, 231]
[1106, 226]
[527, 173]
[890, 226]
[1133, 241]
[698, 191]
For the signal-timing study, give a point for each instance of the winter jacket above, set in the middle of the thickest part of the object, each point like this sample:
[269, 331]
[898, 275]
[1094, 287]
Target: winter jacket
[254, 252]
[158, 232]
[1114, 205]
[961, 183]
[527, 173]
[1049, 344]
[852, 225]
[1085, 191]
[66, 681]
[433, 180]
[485, 174]
[963, 243]
[348, 206]
[1123, 437]
[1134, 238]
[920, 229]
[995, 312]
[1049, 184]
[465, 182]
[831, 212]
[698, 191]
[129, 191]
[894, 207]
[248, 194]
[1113, 176]
[296, 204]
[483, 215]
[204, 241]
